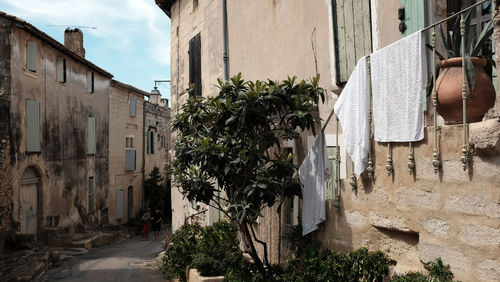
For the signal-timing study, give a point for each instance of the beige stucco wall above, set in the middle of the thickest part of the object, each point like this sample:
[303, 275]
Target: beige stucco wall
[121, 126]
[412, 218]
[63, 163]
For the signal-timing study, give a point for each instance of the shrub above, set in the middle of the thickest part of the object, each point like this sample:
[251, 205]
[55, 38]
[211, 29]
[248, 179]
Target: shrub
[438, 272]
[411, 277]
[181, 251]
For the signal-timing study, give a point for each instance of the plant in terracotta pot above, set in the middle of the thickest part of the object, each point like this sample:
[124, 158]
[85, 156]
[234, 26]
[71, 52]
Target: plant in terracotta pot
[480, 89]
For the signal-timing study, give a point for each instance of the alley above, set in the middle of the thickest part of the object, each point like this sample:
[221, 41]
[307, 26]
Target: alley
[129, 260]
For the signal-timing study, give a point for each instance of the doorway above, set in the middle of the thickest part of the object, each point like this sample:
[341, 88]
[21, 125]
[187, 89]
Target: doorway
[28, 213]
[130, 202]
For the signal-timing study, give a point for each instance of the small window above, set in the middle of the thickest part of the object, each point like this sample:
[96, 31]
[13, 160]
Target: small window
[151, 142]
[129, 142]
[61, 70]
[133, 106]
[31, 56]
[195, 65]
[90, 82]
[195, 4]
[91, 195]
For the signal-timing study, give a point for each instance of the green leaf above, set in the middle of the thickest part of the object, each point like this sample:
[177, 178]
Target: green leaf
[470, 74]
[445, 42]
[483, 37]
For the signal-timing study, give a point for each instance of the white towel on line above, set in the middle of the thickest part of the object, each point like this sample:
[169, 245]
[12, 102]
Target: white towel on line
[352, 110]
[312, 176]
[399, 78]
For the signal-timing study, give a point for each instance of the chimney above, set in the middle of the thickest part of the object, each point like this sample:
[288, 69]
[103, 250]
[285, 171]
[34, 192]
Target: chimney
[73, 40]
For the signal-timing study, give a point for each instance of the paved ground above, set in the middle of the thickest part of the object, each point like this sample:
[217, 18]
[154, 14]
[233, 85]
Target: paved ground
[128, 260]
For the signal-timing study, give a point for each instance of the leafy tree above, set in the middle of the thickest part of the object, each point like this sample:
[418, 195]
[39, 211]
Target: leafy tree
[225, 144]
[155, 190]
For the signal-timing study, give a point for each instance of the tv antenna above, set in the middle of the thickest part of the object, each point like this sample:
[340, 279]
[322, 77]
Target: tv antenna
[72, 26]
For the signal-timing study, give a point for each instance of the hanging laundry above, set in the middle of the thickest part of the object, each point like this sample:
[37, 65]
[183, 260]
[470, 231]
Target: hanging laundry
[399, 78]
[352, 110]
[312, 176]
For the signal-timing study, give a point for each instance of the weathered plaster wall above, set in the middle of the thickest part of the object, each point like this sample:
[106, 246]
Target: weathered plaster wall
[158, 120]
[121, 126]
[6, 152]
[63, 163]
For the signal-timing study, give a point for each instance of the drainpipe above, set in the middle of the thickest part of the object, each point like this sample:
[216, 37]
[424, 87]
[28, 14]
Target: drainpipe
[225, 55]
[143, 166]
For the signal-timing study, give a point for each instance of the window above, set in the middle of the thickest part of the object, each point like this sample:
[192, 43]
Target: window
[195, 4]
[61, 70]
[31, 56]
[151, 142]
[163, 141]
[91, 140]
[133, 106]
[129, 142]
[130, 154]
[32, 126]
[91, 195]
[195, 65]
[352, 35]
[90, 81]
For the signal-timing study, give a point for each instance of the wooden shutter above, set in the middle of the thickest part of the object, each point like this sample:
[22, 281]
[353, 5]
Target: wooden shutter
[133, 105]
[352, 35]
[129, 159]
[32, 126]
[195, 64]
[90, 82]
[91, 138]
[119, 204]
[61, 69]
[31, 55]
[415, 20]
[91, 195]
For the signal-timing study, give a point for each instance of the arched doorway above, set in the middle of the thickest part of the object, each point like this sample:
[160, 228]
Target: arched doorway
[28, 197]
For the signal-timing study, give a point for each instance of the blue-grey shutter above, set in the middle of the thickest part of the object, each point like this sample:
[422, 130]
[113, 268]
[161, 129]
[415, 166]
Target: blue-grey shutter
[133, 104]
[31, 56]
[148, 143]
[119, 204]
[32, 126]
[352, 35]
[129, 159]
[91, 140]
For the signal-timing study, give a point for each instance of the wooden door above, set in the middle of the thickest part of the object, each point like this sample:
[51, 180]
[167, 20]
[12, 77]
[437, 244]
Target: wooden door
[29, 202]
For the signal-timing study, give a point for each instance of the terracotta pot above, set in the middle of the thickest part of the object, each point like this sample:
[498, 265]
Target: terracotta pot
[449, 91]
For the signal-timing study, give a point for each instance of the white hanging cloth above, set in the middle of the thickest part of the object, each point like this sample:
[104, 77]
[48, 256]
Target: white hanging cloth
[352, 109]
[399, 78]
[312, 176]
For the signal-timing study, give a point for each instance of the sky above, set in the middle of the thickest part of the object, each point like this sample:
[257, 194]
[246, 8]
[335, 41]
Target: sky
[131, 39]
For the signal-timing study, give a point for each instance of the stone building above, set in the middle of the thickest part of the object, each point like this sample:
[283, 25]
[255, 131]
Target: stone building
[72, 139]
[55, 132]
[413, 218]
[126, 116]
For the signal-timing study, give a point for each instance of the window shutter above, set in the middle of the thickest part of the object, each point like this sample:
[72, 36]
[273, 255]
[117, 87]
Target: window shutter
[133, 104]
[91, 195]
[31, 55]
[352, 35]
[119, 204]
[90, 82]
[195, 64]
[152, 142]
[61, 69]
[415, 20]
[32, 126]
[148, 143]
[91, 138]
[129, 159]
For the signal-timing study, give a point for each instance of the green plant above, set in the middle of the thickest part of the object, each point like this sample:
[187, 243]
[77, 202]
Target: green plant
[438, 271]
[474, 47]
[155, 190]
[224, 145]
[411, 277]
[295, 238]
[180, 251]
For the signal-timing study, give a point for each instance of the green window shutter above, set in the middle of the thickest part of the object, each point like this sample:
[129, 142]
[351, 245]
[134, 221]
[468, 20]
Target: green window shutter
[415, 20]
[91, 142]
[31, 56]
[352, 35]
[133, 105]
[61, 69]
[148, 143]
[32, 126]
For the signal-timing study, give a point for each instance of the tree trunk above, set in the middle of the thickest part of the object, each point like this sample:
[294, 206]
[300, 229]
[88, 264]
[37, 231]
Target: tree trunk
[253, 251]
[496, 38]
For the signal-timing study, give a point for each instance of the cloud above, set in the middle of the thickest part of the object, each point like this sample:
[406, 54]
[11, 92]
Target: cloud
[120, 23]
